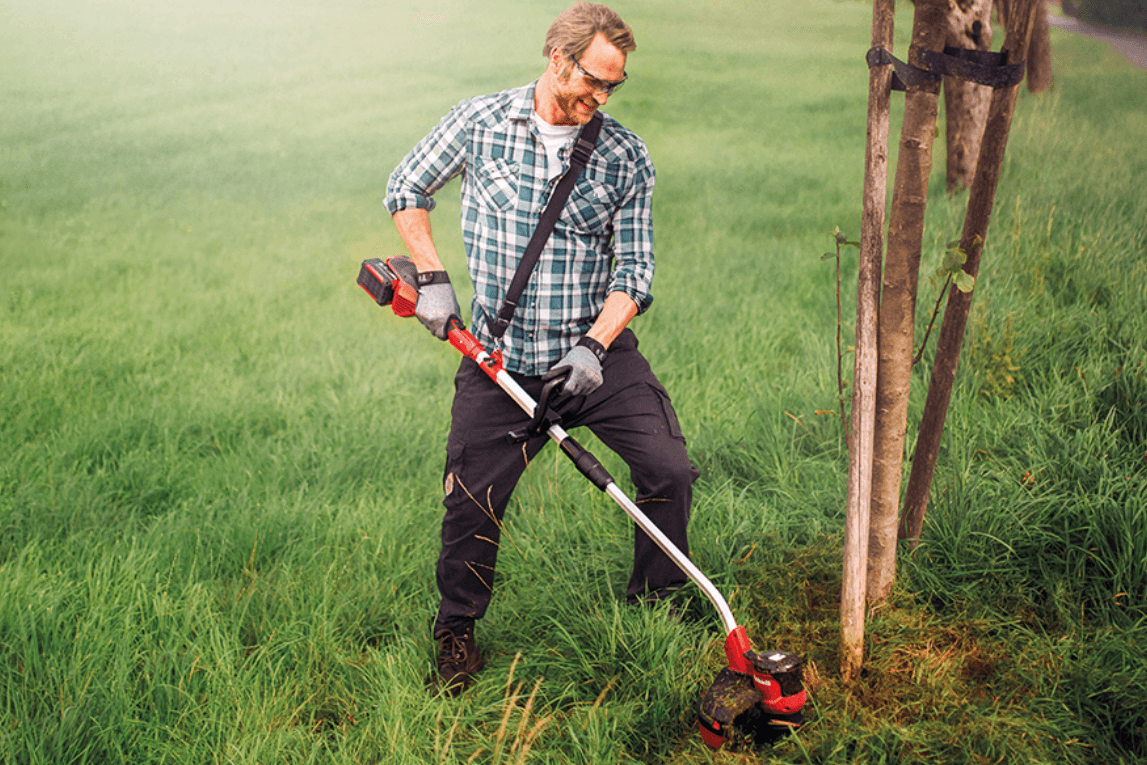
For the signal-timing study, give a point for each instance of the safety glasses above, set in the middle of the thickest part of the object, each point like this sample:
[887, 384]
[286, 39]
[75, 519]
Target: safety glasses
[599, 85]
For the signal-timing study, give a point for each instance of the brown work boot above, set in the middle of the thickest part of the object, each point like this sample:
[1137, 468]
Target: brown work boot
[458, 659]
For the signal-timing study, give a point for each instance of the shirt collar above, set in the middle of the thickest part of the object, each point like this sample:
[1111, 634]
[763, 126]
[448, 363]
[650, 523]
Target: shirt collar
[523, 102]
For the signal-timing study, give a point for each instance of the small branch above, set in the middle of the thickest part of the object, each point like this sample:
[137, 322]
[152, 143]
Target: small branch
[932, 321]
[841, 240]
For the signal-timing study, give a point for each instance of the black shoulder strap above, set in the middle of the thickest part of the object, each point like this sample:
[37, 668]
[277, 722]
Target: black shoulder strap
[582, 150]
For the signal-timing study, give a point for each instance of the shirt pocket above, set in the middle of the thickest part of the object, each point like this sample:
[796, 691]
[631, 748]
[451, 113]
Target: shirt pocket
[591, 206]
[495, 183]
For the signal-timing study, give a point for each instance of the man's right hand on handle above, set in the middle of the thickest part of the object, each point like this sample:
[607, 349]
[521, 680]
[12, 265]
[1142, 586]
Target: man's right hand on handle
[436, 299]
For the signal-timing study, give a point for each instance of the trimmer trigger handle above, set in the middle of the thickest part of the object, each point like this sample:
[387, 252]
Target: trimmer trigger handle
[543, 416]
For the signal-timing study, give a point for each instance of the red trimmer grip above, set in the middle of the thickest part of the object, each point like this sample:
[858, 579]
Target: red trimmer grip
[405, 299]
[464, 342]
[405, 285]
[468, 345]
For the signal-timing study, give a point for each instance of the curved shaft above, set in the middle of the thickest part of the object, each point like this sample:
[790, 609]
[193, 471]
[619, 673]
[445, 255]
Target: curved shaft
[558, 434]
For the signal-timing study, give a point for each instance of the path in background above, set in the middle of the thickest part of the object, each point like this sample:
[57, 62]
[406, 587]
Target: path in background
[1131, 45]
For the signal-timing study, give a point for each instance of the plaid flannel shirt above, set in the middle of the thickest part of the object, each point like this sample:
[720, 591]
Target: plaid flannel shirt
[602, 243]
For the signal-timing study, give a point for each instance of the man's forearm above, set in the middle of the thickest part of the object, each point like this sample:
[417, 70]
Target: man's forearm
[413, 226]
[619, 310]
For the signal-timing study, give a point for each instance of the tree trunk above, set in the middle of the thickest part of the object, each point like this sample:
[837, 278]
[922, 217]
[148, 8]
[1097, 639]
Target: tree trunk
[896, 330]
[980, 202]
[966, 103]
[852, 595]
[1039, 52]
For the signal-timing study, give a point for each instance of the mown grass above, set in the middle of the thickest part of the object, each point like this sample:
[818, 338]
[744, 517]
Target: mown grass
[219, 463]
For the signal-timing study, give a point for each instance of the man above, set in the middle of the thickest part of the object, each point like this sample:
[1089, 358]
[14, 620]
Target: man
[593, 277]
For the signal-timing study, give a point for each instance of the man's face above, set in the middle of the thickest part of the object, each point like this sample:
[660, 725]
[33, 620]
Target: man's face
[579, 94]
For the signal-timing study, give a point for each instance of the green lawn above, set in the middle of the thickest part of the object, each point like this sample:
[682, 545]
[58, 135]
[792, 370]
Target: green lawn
[220, 463]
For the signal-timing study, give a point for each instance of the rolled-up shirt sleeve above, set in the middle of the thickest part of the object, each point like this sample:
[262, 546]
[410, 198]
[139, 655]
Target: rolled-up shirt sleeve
[633, 239]
[429, 166]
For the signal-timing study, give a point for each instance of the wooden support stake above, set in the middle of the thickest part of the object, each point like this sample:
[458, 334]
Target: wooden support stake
[852, 600]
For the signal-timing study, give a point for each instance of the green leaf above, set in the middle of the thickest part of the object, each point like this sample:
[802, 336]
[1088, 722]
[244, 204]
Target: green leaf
[965, 282]
[828, 255]
[954, 259]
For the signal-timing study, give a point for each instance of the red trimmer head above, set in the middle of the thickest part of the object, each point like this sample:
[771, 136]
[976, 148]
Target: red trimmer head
[759, 694]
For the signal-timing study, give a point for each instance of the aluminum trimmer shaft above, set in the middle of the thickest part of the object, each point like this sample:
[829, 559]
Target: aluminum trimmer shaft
[591, 468]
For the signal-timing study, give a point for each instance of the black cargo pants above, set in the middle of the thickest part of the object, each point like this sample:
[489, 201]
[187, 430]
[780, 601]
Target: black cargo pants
[630, 413]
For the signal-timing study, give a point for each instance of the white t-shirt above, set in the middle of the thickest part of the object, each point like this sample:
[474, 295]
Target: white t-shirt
[554, 138]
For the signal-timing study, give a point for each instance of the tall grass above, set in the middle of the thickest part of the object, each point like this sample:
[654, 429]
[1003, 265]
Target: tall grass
[220, 464]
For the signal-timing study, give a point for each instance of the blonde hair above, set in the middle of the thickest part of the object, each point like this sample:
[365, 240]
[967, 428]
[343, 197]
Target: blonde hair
[577, 26]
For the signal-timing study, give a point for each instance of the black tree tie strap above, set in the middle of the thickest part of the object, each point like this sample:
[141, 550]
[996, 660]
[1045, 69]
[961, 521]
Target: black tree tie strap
[904, 75]
[979, 66]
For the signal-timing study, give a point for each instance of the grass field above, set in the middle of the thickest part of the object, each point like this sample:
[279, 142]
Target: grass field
[220, 463]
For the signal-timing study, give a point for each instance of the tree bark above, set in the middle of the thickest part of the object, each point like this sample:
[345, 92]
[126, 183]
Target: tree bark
[966, 103]
[1039, 52]
[861, 430]
[980, 202]
[896, 329]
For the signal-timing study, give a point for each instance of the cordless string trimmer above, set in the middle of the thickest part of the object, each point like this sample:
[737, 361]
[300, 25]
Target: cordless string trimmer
[760, 693]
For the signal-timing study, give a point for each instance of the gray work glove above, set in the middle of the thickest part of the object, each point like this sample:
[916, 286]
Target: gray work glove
[436, 302]
[584, 364]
